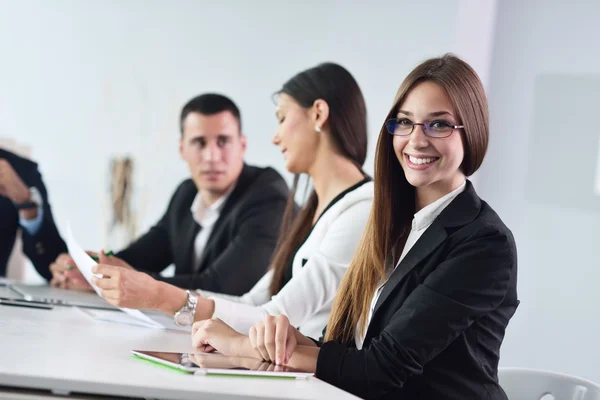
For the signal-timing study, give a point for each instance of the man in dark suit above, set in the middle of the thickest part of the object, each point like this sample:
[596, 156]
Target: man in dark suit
[221, 226]
[24, 203]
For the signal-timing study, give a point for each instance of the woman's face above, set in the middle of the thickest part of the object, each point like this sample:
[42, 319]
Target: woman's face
[431, 164]
[296, 136]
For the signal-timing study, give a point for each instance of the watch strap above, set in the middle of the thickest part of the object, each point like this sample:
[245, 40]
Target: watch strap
[26, 205]
[189, 308]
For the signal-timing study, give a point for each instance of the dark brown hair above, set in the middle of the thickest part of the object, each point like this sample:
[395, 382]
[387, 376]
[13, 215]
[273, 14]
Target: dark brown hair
[210, 104]
[347, 125]
[394, 203]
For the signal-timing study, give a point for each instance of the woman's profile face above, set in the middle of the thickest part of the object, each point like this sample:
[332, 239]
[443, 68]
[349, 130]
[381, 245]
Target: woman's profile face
[295, 136]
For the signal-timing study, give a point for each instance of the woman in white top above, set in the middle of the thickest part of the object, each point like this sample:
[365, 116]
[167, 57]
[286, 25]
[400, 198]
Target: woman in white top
[323, 133]
[313, 275]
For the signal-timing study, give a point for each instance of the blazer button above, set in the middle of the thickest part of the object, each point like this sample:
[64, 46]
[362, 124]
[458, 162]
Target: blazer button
[40, 248]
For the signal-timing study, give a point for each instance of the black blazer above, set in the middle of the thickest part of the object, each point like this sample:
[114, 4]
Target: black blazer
[241, 243]
[43, 248]
[439, 322]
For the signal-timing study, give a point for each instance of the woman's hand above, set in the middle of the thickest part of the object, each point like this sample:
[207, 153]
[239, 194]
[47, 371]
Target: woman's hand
[123, 286]
[274, 338]
[213, 334]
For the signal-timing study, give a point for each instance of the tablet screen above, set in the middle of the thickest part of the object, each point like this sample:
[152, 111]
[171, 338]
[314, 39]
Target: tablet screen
[218, 364]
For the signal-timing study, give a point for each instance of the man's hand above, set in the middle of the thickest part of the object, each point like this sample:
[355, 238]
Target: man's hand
[66, 275]
[125, 287]
[11, 185]
[114, 261]
[14, 188]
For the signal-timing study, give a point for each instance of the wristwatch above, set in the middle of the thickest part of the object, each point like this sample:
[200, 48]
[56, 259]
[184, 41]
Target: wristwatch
[185, 315]
[35, 200]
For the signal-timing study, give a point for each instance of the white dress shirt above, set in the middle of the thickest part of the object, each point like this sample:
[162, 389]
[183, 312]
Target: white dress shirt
[206, 217]
[317, 270]
[421, 221]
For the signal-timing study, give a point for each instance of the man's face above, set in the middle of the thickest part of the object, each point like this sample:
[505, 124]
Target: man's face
[214, 148]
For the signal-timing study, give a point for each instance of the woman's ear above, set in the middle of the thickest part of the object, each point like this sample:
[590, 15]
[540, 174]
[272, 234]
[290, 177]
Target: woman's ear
[320, 113]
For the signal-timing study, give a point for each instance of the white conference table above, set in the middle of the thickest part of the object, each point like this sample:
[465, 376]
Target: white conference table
[64, 351]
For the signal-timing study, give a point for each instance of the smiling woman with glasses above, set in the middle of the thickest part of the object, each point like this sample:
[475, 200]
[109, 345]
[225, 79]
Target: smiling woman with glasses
[422, 311]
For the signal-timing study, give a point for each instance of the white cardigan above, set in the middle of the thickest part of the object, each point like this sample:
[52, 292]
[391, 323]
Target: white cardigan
[307, 298]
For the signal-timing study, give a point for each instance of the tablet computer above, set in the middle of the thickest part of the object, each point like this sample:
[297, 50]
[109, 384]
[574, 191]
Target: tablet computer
[214, 364]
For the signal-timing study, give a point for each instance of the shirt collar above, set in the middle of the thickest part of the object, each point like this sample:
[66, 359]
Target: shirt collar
[424, 217]
[204, 215]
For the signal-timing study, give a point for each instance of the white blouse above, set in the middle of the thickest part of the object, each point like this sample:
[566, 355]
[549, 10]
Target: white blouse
[317, 271]
[421, 221]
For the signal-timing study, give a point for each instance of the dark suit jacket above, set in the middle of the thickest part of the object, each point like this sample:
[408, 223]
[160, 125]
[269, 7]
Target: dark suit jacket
[43, 248]
[241, 243]
[438, 325]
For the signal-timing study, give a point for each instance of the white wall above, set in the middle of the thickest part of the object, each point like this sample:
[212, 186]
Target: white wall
[85, 80]
[539, 156]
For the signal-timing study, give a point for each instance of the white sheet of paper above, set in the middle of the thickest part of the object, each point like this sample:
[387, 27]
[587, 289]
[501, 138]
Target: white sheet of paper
[122, 318]
[112, 316]
[85, 263]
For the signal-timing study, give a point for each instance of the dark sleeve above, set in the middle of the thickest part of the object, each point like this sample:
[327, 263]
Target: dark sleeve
[45, 246]
[246, 259]
[470, 283]
[151, 252]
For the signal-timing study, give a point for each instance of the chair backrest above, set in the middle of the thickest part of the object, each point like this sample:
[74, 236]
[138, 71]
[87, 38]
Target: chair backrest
[531, 384]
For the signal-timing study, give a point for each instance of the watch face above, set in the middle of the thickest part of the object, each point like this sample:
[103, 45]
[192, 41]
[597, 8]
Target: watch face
[183, 318]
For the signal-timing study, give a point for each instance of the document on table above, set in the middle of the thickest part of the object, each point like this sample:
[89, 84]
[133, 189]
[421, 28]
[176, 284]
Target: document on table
[122, 318]
[85, 263]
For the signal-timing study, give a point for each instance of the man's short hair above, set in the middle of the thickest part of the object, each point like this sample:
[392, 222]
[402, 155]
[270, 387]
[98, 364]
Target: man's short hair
[210, 104]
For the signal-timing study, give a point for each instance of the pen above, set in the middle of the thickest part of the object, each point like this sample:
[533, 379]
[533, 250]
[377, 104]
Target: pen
[108, 254]
[95, 258]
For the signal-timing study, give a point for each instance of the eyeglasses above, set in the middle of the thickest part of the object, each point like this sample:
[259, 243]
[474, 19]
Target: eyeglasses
[433, 129]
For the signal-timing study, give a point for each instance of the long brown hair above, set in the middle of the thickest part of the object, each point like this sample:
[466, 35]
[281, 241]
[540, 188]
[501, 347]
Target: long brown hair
[394, 202]
[347, 126]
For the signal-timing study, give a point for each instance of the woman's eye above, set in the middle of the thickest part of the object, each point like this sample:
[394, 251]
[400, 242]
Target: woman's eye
[440, 125]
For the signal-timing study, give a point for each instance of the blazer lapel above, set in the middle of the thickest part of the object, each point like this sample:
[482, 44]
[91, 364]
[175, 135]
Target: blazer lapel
[459, 212]
[188, 241]
[426, 244]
